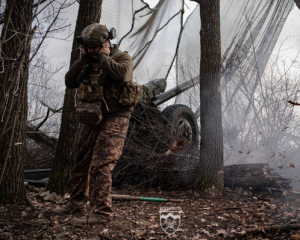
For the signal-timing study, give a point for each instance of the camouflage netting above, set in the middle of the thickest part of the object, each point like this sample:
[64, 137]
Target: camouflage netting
[146, 41]
[258, 124]
[249, 31]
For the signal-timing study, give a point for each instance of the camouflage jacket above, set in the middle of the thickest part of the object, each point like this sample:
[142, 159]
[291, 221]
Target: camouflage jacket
[118, 68]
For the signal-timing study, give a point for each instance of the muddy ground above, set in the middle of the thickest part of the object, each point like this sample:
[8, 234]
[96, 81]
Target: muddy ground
[239, 214]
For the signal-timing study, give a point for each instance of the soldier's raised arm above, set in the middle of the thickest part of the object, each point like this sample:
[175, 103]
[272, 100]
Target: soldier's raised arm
[118, 65]
[72, 77]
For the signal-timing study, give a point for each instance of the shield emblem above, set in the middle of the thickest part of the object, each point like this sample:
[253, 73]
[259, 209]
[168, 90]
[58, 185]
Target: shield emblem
[170, 219]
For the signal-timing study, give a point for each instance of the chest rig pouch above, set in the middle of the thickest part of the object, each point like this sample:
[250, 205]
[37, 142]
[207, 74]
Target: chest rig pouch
[89, 97]
[128, 93]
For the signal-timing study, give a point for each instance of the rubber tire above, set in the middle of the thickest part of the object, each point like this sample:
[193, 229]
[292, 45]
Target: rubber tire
[171, 115]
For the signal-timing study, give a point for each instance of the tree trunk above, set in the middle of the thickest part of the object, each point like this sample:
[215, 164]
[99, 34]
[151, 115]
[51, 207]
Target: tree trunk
[297, 3]
[14, 60]
[89, 12]
[211, 146]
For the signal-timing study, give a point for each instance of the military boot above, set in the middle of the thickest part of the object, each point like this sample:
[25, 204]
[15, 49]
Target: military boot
[98, 219]
[69, 209]
[92, 219]
[79, 221]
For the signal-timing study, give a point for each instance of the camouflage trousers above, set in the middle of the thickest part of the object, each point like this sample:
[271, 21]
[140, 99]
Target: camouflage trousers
[96, 154]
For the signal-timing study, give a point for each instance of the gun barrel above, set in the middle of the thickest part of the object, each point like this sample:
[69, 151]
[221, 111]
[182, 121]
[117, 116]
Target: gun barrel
[176, 91]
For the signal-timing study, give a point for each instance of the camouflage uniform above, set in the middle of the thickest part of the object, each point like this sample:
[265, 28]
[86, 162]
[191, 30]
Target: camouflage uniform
[97, 151]
[100, 146]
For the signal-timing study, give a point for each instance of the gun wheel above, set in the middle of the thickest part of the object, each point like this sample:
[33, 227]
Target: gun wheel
[182, 123]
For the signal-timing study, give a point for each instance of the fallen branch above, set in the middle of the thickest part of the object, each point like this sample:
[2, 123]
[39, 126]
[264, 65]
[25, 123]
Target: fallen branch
[40, 137]
[256, 176]
[46, 229]
[28, 200]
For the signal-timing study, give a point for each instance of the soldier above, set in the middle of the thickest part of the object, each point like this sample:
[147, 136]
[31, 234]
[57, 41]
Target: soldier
[105, 99]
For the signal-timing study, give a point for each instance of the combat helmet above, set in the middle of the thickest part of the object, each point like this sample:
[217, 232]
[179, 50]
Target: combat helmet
[95, 35]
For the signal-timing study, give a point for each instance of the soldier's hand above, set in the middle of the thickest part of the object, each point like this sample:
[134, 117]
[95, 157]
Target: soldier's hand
[105, 48]
[83, 50]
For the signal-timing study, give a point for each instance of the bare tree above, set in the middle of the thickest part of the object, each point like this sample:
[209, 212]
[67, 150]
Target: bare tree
[15, 49]
[257, 118]
[59, 182]
[16, 54]
[297, 3]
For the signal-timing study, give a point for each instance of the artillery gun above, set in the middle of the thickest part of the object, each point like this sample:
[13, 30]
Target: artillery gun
[179, 119]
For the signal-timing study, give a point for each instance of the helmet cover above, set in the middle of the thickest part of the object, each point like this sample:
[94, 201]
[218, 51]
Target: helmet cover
[95, 34]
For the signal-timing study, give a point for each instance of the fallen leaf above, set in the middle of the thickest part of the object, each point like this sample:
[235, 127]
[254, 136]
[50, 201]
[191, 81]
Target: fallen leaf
[286, 214]
[280, 166]
[295, 212]
[291, 165]
[205, 232]
[56, 223]
[222, 232]
[273, 206]
[242, 221]
[154, 226]
[104, 231]
[67, 196]
[176, 146]
[215, 225]
[295, 237]
[197, 237]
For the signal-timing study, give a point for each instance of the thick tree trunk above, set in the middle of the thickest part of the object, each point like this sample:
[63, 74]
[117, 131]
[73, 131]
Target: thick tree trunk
[297, 3]
[14, 57]
[211, 146]
[89, 12]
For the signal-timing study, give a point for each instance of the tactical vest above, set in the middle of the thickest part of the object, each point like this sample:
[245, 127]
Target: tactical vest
[90, 97]
[96, 87]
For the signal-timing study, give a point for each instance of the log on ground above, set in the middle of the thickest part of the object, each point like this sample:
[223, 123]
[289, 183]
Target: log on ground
[255, 175]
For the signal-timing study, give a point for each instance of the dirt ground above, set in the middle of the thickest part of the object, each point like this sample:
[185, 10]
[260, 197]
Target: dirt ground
[239, 214]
